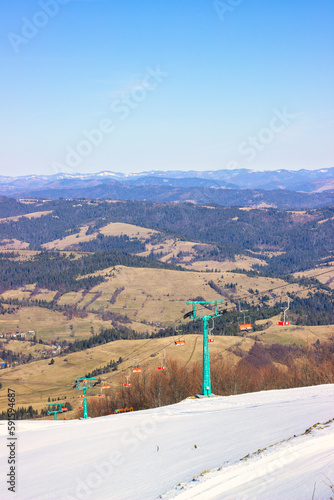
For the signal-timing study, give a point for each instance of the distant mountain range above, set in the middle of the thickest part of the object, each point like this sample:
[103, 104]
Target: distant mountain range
[279, 188]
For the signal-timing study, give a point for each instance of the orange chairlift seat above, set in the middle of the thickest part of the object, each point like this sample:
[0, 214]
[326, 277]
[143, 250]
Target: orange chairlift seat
[245, 326]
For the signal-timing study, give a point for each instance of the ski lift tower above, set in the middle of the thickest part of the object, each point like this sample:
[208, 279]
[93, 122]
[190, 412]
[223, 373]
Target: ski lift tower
[83, 384]
[206, 379]
[55, 408]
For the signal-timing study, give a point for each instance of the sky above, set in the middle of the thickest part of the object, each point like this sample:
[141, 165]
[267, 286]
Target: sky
[130, 86]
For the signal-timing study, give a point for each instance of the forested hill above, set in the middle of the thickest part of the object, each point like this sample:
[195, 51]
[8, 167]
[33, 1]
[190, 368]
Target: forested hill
[286, 241]
[279, 198]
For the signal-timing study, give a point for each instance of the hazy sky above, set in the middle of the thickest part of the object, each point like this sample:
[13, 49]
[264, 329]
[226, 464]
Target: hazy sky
[125, 85]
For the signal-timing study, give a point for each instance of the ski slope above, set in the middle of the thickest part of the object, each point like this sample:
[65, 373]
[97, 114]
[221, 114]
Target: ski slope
[196, 449]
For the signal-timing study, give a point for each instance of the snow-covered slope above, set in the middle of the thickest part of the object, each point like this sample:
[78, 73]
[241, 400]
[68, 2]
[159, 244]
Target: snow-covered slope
[143, 455]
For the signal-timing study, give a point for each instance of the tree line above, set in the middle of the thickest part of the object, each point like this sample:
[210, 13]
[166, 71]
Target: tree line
[57, 271]
[262, 368]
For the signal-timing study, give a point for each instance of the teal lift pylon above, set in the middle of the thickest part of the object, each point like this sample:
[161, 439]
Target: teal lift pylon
[55, 408]
[206, 378]
[83, 384]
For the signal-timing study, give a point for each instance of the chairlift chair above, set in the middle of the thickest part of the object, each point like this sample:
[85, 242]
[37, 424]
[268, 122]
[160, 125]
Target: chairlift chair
[245, 324]
[210, 334]
[136, 368]
[179, 341]
[127, 384]
[162, 367]
[285, 309]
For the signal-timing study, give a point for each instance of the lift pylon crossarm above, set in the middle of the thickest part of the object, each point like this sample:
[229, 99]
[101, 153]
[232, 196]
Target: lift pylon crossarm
[194, 303]
[84, 382]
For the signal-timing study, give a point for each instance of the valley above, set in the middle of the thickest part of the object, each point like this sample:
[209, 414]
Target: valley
[98, 286]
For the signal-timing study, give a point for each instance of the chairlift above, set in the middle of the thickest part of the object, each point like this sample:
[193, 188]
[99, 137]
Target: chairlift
[103, 386]
[162, 367]
[210, 334]
[245, 324]
[136, 368]
[285, 309]
[179, 341]
[127, 384]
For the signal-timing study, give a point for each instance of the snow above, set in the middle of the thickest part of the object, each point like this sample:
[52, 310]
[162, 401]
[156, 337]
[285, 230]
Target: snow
[106, 173]
[146, 454]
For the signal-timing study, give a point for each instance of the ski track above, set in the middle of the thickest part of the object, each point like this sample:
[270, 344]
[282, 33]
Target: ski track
[146, 454]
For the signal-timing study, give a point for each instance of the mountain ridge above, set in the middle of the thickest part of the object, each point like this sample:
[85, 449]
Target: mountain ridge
[282, 189]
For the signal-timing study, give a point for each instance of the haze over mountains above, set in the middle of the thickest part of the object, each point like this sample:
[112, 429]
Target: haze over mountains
[280, 188]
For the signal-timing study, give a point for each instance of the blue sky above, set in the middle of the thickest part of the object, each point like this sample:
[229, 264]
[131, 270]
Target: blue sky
[127, 86]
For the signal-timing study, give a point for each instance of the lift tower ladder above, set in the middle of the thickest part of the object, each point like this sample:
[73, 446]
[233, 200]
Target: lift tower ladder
[206, 378]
